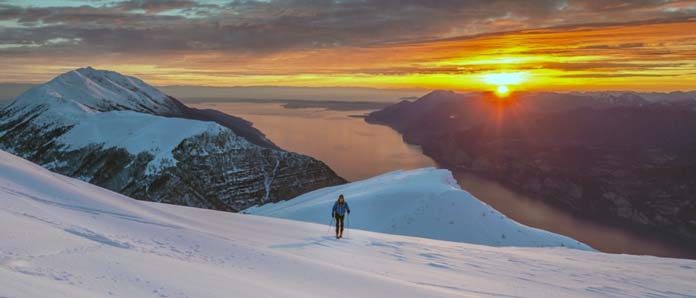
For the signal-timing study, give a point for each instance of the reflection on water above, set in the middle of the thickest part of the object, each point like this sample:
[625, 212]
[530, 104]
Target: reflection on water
[358, 150]
[354, 149]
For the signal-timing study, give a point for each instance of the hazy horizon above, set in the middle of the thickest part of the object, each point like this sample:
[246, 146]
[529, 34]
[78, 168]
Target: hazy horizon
[191, 93]
[8, 91]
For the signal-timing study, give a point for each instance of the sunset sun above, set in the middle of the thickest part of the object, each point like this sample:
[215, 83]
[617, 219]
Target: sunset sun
[502, 82]
[502, 91]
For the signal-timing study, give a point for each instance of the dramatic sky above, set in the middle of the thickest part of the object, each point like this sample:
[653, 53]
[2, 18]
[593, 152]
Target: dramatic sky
[426, 44]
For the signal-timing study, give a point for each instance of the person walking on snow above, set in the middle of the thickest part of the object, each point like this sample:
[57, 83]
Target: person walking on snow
[338, 212]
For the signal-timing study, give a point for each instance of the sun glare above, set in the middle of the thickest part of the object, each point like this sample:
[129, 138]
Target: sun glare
[503, 81]
[502, 91]
[505, 78]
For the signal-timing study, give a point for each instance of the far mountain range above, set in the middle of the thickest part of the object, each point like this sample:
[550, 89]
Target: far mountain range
[624, 158]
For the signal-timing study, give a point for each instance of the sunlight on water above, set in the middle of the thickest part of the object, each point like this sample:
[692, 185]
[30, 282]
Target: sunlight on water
[354, 149]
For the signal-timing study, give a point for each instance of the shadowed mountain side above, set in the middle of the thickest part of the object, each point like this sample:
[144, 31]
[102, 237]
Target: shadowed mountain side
[622, 158]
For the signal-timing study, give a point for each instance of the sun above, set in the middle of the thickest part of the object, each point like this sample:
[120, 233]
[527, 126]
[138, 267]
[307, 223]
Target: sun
[502, 91]
[503, 80]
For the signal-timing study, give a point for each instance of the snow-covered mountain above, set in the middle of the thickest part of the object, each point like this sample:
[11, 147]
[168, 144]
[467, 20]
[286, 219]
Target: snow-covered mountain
[90, 90]
[62, 237]
[120, 133]
[424, 203]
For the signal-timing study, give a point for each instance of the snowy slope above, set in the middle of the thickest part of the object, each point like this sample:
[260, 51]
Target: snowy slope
[424, 203]
[139, 132]
[62, 237]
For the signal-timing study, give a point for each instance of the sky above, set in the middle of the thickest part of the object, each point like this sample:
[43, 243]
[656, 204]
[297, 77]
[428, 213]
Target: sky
[642, 45]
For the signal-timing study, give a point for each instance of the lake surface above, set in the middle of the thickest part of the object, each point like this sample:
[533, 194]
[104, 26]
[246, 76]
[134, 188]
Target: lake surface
[354, 149]
[358, 150]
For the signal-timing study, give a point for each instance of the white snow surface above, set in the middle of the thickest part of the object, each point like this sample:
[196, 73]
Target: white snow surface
[62, 237]
[139, 132]
[424, 203]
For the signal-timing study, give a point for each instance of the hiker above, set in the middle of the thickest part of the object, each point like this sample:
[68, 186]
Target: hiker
[338, 212]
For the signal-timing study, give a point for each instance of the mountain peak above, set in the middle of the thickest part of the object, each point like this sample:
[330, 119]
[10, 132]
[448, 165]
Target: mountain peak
[85, 69]
[89, 89]
[438, 96]
[440, 92]
[92, 72]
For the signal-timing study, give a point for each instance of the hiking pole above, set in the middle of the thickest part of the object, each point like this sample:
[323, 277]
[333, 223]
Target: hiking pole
[330, 225]
[348, 226]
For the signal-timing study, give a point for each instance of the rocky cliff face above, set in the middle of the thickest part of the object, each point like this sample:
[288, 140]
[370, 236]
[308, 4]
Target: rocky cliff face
[122, 134]
[619, 158]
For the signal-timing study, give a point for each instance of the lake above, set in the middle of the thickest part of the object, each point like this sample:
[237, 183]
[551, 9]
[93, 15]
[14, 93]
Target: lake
[358, 150]
[354, 149]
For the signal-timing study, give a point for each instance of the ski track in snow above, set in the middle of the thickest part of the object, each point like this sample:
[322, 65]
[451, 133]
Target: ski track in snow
[65, 238]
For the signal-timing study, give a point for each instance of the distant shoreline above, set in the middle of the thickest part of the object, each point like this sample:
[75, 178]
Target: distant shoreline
[333, 105]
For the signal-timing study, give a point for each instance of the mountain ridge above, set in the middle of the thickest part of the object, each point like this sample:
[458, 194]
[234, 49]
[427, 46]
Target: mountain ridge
[618, 159]
[425, 203]
[118, 132]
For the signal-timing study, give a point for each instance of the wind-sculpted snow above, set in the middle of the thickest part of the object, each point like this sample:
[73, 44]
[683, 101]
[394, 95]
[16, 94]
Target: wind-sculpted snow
[120, 133]
[62, 237]
[425, 203]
